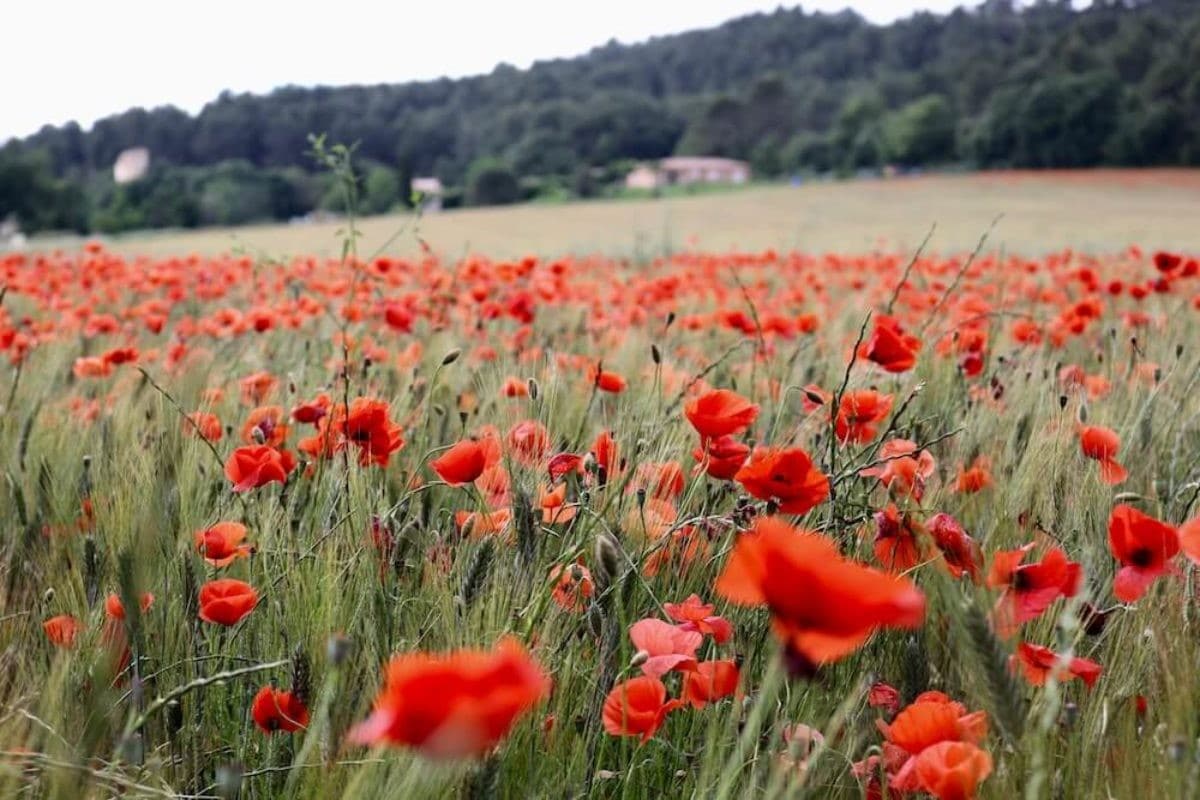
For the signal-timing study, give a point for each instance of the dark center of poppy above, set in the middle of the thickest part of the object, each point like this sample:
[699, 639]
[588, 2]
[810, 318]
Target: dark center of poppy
[1142, 557]
[1021, 580]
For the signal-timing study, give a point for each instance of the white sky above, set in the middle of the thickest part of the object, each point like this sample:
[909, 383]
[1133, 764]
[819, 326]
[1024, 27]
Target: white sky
[84, 59]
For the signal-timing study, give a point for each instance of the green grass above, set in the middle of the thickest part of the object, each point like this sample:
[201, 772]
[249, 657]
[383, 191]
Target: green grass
[67, 731]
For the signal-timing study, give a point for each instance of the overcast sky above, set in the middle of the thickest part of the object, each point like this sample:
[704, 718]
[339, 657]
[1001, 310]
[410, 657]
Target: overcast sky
[85, 59]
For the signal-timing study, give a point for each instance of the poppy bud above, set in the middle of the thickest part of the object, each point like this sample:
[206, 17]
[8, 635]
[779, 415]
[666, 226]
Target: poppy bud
[814, 398]
[670, 319]
[49, 595]
[534, 389]
[1069, 715]
[655, 356]
[639, 658]
[1062, 401]
[607, 562]
[590, 464]
[451, 357]
[641, 497]
[87, 463]
[1083, 415]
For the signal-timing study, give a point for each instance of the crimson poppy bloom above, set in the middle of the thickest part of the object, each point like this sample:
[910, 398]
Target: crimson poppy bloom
[1037, 663]
[62, 630]
[1029, 589]
[890, 346]
[205, 425]
[453, 705]
[312, 412]
[221, 544]
[461, 464]
[722, 457]
[693, 614]
[960, 553]
[720, 412]
[257, 465]
[637, 707]
[368, 425]
[1102, 444]
[1144, 546]
[786, 476]
[898, 540]
[664, 647]
[859, 414]
[226, 601]
[952, 770]
[710, 682]
[843, 602]
[275, 710]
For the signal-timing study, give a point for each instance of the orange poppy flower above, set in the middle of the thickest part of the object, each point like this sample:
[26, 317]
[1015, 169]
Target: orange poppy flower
[256, 388]
[902, 472]
[226, 601]
[710, 682]
[221, 544]
[975, 478]
[786, 476]
[637, 707]
[528, 441]
[1037, 663]
[514, 387]
[205, 425]
[482, 524]
[251, 467]
[1189, 539]
[265, 425]
[720, 412]
[952, 770]
[609, 382]
[1102, 444]
[932, 718]
[844, 602]
[1145, 548]
[461, 464]
[553, 502]
[115, 609]
[62, 630]
[693, 614]
[572, 586]
[898, 546]
[453, 705]
[604, 450]
[274, 710]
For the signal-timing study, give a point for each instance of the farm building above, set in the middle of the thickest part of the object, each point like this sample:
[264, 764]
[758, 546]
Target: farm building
[687, 170]
[431, 190]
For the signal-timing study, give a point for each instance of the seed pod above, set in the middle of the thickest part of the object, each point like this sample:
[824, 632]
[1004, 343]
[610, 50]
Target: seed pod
[451, 357]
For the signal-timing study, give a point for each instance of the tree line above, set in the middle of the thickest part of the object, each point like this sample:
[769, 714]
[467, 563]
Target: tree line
[997, 85]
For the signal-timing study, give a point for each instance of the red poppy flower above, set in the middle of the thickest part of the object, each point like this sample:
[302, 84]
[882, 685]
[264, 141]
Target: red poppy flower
[453, 705]
[661, 480]
[974, 478]
[710, 682]
[461, 464]
[720, 412]
[898, 546]
[515, 387]
[1029, 589]
[693, 614]
[604, 450]
[563, 464]
[1102, 444]
[221, 544]
[787, 476]
[226, 601]
[251, 467]
[859, 414]
[884, 696]
[62, 630]
[952, 770]
[1189, 539]
[1037, 663]
[960, 552]
[932, 718]
[115, 609]
[274, 710]
[312, 412]
[609, 382]
[637, 707]
[369, 427]
[904, 471]
[722, 457]
[890, 346]
[265, 425]
[572, 586]
[843, 602]
[664, 647]
[1144, 546]
[256, 388]
[528, 442]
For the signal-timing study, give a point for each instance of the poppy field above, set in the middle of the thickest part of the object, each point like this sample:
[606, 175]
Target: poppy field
[711, 524]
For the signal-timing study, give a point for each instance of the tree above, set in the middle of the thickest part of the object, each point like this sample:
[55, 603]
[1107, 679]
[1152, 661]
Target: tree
[381, 190]
[491, 182]
[923, 132]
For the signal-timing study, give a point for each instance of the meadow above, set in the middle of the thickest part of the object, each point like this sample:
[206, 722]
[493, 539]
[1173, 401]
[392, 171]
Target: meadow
[794, 505]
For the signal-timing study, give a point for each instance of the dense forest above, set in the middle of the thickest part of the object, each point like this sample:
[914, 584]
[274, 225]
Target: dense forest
[1040, 85]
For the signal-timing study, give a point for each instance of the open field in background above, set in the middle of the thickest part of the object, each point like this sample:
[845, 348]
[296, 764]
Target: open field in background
[1099, 211]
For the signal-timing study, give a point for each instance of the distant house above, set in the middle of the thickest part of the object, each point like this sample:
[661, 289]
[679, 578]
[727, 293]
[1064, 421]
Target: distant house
[687, 170]
[431, 191]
